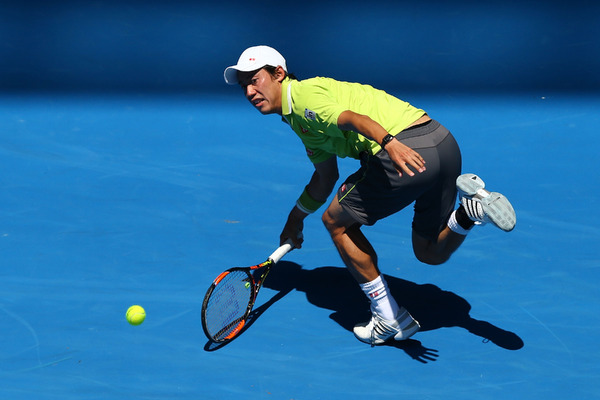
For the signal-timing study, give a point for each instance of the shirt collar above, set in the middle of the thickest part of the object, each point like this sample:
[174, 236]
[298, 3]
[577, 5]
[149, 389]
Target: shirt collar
[286, 96]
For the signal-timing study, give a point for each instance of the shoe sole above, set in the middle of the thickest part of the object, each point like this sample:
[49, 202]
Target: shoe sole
[496, 206]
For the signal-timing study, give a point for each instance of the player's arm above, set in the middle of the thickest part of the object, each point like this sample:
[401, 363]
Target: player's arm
[401, 155]
[314, 195]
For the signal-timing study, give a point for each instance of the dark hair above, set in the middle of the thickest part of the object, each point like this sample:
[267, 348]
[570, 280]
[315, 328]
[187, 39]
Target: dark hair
[271, 70]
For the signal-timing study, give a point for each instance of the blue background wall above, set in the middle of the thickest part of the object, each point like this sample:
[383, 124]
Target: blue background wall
[180, 45]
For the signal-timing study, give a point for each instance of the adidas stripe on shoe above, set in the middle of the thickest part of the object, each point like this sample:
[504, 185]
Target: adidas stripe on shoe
[377, 330]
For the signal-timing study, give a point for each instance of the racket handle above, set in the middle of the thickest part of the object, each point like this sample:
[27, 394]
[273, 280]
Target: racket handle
[281, 251]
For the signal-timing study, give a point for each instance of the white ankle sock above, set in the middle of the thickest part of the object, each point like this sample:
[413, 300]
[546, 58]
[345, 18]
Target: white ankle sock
[381, 302]
[455, 227]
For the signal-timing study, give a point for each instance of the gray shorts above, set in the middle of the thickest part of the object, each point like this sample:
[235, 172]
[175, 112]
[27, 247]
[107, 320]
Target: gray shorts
[376, 190]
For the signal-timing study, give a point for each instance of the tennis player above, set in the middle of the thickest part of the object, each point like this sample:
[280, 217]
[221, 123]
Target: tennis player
[405, 157]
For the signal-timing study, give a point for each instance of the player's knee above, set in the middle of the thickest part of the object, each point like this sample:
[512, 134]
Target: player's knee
[427, 257]
[331, 223]
[328, 220]
[427, 251]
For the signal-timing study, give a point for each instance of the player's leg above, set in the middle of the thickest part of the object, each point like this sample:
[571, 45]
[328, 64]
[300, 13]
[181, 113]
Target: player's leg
[388, 318]
[477, 207]
[354, 248]
[432, 239]
[434, 210]
[438, 251]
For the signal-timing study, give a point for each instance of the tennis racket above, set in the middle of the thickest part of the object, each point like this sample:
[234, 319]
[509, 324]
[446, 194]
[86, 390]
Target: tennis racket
[230, 298]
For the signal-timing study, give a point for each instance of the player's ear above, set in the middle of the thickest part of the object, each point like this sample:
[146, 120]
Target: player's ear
[280, 73]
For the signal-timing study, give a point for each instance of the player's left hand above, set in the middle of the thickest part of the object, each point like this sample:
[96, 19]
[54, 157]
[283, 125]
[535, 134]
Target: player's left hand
[293, 230]
[405, 157]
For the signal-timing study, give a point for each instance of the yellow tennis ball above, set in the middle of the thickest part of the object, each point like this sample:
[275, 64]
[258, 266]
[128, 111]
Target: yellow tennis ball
[135, 315]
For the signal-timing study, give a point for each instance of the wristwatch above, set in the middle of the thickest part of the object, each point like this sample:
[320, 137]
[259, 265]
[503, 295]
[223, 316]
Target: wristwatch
[386, 139]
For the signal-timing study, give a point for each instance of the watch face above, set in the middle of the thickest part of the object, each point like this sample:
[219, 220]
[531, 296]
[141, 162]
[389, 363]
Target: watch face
[386, 140]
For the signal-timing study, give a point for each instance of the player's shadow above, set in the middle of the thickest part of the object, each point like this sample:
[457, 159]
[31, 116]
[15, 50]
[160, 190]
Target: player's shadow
[334, 289]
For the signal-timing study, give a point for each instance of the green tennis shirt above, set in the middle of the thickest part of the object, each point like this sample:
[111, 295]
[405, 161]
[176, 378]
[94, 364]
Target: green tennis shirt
[311, 107]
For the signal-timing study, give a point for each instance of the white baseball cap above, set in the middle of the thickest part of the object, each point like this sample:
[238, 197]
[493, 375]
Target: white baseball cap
[252, 59]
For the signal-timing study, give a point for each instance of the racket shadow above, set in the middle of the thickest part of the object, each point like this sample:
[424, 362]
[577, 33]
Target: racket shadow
[334, 289]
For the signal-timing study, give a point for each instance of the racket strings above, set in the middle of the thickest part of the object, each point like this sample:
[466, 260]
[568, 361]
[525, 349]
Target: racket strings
[228, 303]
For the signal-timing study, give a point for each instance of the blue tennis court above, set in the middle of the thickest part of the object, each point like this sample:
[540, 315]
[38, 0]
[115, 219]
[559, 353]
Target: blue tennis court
[114, 198]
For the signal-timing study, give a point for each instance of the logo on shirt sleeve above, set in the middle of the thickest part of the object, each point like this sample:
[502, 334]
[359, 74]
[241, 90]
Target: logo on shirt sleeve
[310, 114]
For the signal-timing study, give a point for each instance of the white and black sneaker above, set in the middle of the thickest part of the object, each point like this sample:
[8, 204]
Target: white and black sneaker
[378, 330]
[483, 206]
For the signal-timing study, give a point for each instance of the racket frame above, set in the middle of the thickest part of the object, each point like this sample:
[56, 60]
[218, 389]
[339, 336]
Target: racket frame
[256, 285]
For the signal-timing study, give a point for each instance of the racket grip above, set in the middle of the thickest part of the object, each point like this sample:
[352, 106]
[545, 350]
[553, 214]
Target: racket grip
[281, 251]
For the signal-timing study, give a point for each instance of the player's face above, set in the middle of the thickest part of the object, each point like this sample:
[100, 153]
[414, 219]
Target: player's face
[262, 90]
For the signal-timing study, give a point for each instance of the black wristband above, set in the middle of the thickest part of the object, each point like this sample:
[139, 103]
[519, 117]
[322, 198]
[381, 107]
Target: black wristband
[386, 139]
